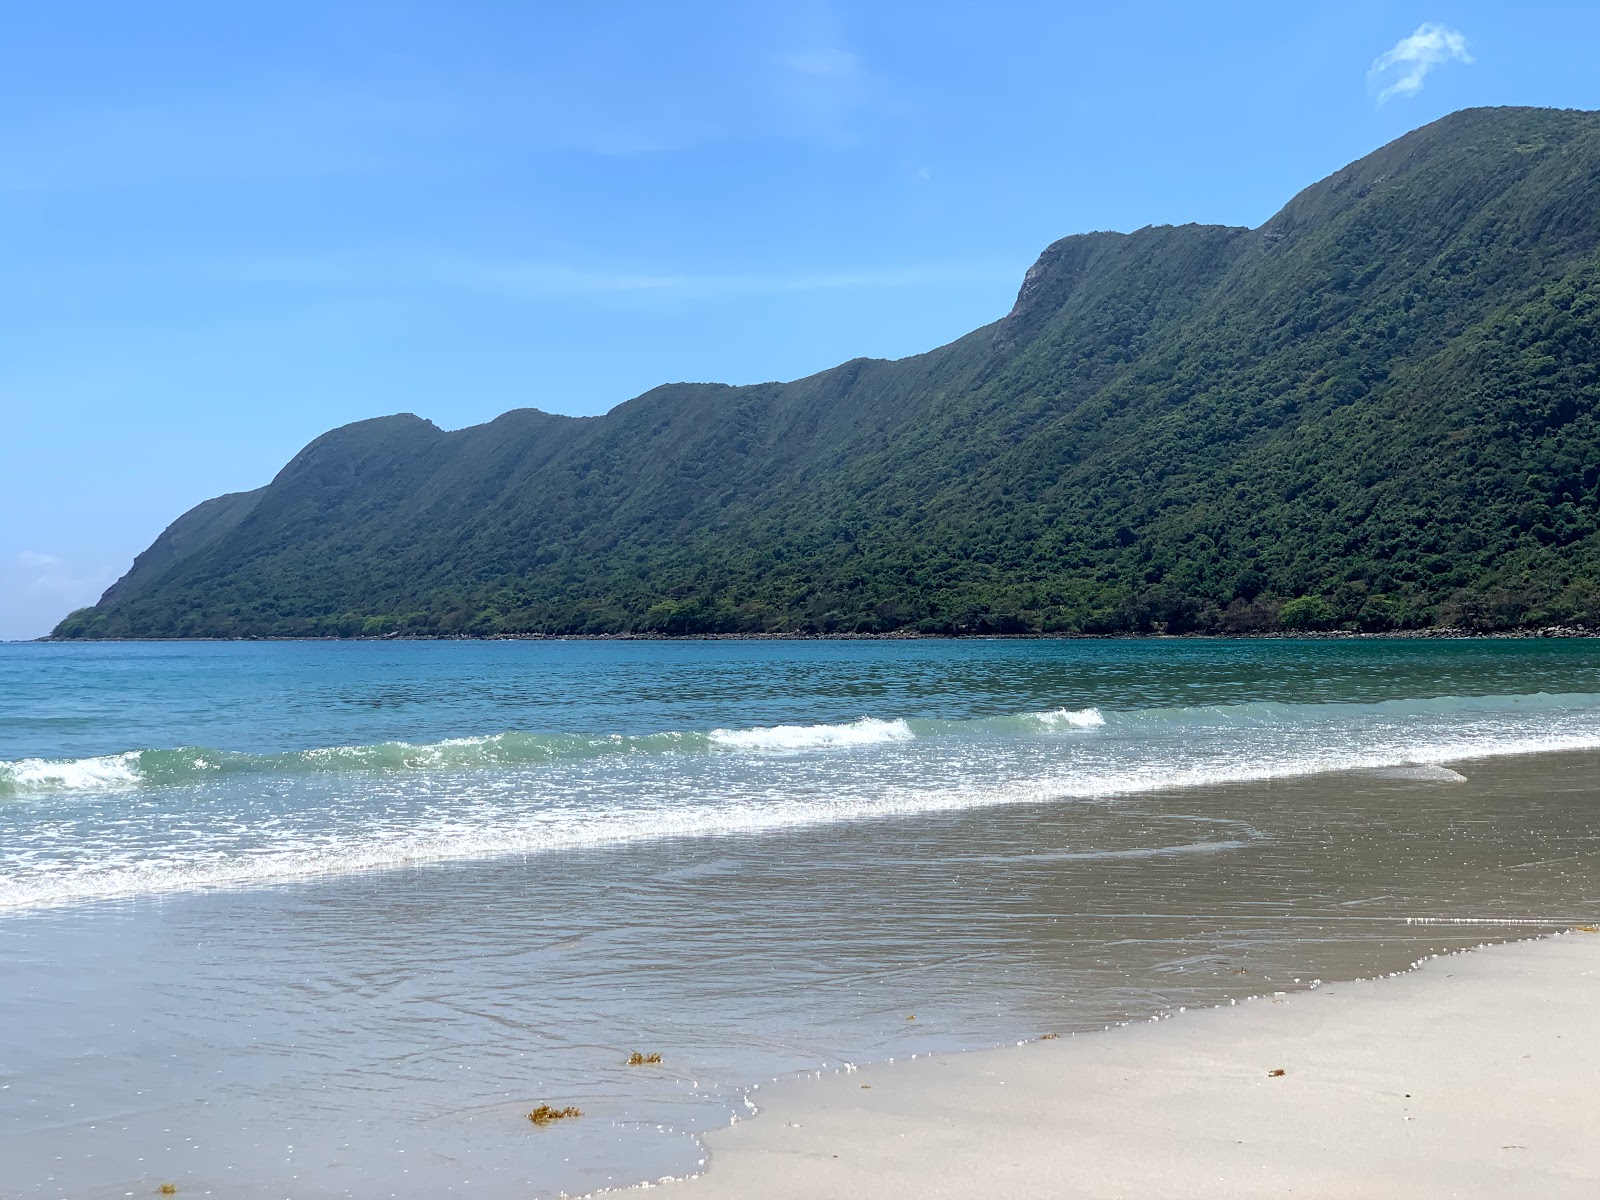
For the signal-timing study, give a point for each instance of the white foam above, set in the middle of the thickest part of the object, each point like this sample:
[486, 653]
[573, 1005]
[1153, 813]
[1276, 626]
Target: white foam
[1069, 718]
[50, 775]
[293, 826]
[786, 739]
[452, 833]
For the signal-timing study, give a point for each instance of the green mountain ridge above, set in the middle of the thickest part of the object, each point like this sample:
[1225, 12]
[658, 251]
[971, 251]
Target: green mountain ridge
[1380, 410]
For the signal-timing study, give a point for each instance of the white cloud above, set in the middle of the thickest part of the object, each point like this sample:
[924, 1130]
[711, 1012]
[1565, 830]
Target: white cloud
[1400, 70]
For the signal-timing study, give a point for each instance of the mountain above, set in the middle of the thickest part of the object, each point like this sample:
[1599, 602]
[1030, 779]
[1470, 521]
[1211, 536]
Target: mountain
[1379, 410]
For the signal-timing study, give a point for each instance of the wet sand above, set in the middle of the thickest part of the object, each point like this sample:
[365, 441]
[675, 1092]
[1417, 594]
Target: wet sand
[1473, 1076]
[387, 1033]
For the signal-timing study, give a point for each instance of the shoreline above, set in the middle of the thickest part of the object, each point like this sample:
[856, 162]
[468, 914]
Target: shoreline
[1439, 633]
[1338, 775]
[1469, 1075]
[1402, 865]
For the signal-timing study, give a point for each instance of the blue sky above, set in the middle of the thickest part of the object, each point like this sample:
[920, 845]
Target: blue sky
[227, 228]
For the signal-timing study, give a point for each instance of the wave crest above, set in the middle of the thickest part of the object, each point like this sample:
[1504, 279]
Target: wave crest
[157, 768]
[70, 775]
[868, 731]
[1069, 718]
[1528, 717]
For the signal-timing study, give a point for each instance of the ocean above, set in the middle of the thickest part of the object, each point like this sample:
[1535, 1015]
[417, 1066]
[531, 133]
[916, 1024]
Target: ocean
[328, 919]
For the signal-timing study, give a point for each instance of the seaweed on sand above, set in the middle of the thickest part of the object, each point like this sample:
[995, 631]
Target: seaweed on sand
[544, 1114]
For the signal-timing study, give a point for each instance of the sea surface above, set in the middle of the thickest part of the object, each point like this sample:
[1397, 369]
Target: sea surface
[328, 919]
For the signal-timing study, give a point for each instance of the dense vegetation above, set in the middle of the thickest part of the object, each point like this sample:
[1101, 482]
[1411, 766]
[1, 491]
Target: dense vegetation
[1381, 410]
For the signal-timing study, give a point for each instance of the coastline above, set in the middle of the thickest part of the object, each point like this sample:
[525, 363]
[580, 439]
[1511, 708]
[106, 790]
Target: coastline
[749, 913]
[993, 924]
[1439, 633]
[1471, 1075]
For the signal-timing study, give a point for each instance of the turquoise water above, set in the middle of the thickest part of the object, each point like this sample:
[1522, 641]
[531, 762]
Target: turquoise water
[308, 919]
[146, 768]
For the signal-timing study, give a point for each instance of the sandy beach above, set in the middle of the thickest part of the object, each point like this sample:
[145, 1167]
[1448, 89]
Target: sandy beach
[221, 978]
[1475, 1075]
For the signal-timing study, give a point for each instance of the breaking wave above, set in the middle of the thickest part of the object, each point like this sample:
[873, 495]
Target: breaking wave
[163, 768]
[109, 832]
[1520, 723]
[790, 738]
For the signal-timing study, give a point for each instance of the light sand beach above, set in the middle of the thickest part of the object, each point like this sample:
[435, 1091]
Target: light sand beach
[1477, 1075]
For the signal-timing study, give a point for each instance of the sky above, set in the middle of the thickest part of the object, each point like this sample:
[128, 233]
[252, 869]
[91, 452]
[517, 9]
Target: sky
[227, 228]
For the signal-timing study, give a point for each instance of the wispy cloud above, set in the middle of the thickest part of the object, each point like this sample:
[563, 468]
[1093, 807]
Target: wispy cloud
[37, 590]
[305, 133]
[52, 575]
[824, 94]
[543, 279]
[588, 94]
[1400, 70]
[50, 583]
[827, 61]
[333, 274]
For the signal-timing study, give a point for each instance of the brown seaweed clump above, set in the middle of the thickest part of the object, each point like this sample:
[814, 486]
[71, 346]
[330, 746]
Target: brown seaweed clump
[167, 1189]
[1275, 1072]
[1048, 1037]
[643, 1060]
[544, 1114]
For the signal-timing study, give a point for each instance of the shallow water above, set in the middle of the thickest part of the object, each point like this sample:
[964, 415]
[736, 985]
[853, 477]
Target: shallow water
[997, 838]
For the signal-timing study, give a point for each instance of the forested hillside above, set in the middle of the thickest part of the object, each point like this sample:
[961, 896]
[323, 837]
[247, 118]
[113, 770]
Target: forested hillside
[1379, 410]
